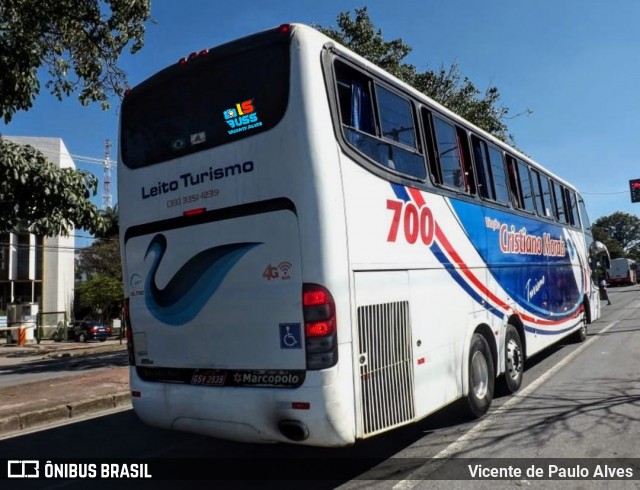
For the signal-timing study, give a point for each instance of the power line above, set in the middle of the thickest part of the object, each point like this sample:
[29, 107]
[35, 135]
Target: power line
[603, 193]
[80, 158]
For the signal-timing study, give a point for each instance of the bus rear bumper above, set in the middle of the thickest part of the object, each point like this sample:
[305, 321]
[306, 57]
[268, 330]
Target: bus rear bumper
[310, 416]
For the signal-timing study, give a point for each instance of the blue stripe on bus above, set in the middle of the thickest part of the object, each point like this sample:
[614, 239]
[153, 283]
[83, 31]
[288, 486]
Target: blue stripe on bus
[400, 192]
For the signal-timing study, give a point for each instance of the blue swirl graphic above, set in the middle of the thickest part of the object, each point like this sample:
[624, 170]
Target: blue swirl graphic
[191, 287]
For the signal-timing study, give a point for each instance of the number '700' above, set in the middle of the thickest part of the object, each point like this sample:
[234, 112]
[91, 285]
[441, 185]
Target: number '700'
[417, 223]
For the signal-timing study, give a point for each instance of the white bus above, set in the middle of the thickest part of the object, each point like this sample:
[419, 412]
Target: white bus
[314, 252]
[622, 272]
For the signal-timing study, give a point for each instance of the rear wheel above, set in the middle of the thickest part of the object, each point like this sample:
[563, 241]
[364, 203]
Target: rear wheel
[481, 377]
[513, 361]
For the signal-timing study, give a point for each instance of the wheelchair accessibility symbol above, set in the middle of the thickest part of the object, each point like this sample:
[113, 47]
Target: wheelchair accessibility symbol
[290, 336]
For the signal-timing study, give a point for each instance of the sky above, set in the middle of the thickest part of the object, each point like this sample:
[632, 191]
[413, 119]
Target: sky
[573, 63]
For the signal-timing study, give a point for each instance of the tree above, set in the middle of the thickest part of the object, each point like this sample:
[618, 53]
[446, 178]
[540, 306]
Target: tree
[110, 223]
[602, 235]
[445, 86]
[99, 290]
[84, 38]
[99, 297]
[45, 199]
[620, 232]
[102, 257]
[78, 44]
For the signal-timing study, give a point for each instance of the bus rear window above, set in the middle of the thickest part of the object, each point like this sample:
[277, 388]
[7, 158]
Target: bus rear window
[213, 99]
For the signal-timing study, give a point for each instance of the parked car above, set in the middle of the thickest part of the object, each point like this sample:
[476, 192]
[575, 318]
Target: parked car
[85, 330]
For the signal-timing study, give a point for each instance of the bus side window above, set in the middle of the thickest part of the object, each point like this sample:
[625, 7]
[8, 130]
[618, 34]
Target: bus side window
[489, 165]
[499, 175]
[545, 200]
[537, 192]
[388, 136]
[572, 208]
[483, 168]
[514, 183]
[467, 165]
[397, 125]
[450, 171]
[354, 95]
[559, 198]
[584, 217]
[525, 187]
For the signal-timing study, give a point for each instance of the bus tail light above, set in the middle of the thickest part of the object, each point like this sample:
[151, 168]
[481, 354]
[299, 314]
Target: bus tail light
[320, 328]
[129, 333]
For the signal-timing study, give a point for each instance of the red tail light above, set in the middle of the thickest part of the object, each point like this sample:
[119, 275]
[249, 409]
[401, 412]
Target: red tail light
[320, 326]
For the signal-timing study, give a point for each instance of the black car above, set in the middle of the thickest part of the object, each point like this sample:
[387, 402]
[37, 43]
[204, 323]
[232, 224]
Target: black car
[85, 330]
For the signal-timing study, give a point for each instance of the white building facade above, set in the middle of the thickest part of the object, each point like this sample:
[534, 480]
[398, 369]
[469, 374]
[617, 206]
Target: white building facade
[34, 269]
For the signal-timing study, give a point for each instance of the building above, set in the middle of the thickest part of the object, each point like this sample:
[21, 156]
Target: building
[34, 269]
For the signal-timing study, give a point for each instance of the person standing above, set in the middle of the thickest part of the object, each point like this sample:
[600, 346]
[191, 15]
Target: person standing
[603, 291]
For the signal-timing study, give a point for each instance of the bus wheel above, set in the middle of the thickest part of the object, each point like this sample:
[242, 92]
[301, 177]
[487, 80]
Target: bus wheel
[581, 334]
[481, 377]
[513, 361]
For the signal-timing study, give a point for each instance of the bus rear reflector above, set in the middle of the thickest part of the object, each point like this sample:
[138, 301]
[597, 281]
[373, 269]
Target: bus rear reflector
[194, 212]
[320, 327]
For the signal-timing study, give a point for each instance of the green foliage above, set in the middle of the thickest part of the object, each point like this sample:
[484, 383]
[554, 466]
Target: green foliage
[445, 86]
[39, 196]
[110, 223]
[101, 258]
[78, 42]
[99, 290]
[620, 232]
[602, 235]
[99, 297]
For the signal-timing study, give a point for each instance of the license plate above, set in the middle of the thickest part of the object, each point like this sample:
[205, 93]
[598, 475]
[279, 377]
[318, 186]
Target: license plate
[209, 378]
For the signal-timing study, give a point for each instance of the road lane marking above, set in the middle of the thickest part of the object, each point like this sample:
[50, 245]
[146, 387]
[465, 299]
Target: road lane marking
[460, 443]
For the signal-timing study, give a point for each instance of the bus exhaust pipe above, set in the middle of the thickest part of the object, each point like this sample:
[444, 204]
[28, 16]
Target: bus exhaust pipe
[294, 430]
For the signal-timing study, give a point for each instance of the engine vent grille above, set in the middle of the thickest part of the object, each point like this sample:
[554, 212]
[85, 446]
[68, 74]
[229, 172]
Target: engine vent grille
[386, 371]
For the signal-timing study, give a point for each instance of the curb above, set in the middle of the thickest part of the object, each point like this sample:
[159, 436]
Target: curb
[51, 352]
[80, 352]
[14, 424]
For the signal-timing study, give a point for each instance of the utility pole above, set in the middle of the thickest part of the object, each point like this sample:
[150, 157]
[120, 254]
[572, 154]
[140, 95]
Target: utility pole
[106, 190]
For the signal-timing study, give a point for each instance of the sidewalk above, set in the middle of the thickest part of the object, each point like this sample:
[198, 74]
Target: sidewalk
[38, 403]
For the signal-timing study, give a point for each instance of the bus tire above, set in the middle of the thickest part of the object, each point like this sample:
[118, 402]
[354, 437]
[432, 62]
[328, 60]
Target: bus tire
[580, 335]
[481, 377]
[513, 361]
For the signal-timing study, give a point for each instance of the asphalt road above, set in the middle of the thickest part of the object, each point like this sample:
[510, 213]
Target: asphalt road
[15, 371]
[577, 401]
